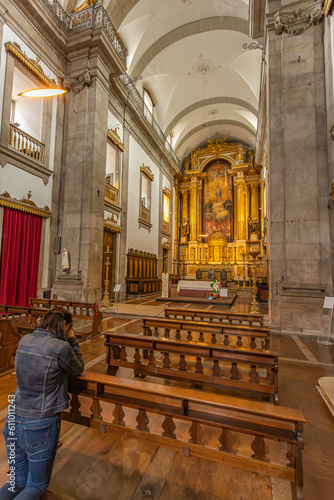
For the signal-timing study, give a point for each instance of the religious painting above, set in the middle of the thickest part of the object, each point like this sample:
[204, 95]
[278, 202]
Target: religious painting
[217, 201]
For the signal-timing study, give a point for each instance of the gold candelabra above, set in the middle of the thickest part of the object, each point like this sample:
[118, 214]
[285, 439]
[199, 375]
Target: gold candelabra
[255, 308]
[105, 299]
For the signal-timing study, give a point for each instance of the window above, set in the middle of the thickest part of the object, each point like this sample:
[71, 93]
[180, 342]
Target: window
[149, 104]
[167, 198]
[146, 179]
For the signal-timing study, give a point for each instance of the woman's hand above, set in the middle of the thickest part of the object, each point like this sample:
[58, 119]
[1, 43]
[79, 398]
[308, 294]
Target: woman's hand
[70, 332]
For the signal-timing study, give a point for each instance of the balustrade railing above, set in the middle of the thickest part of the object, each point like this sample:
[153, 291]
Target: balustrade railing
[91, 17]
[144, 213]
[165, 226]
[131, 89]
[25, 144]
[111, 193]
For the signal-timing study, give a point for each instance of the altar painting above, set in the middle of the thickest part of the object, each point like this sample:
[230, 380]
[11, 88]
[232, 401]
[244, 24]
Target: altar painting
[217, 201]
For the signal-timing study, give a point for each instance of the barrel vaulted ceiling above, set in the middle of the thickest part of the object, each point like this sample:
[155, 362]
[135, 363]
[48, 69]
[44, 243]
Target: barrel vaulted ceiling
[190, 56]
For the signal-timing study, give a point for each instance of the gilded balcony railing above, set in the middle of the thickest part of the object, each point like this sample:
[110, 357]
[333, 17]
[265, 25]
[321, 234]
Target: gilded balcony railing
[91, 17]
[25, 144]
[166, 226]
[144, 213]
[111, 193]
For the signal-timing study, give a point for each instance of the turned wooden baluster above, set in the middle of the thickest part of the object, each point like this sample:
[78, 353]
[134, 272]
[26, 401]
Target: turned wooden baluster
[239, 341]
[178, 335]
[213, 338]
[142, 420]
[271, 380]
[116, 352]
[168, 427]
[96, 409]
[75, 405]
[119, 415]
[260, 449]
[189, 336]
[156, 331]
[253, 375]
[182, 363]
[291, 456]
[196, 433]
[234, 371]
[226, 340]
[199, 366]
[123, 353]
[167, 333]
[137, 356]
[166, 360]
[201, 337]
[148, 331]
[226, 440]
[252, 343]
[216, 370]
[151, 359]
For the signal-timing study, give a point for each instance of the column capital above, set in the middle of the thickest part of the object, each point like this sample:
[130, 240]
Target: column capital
[296, 17]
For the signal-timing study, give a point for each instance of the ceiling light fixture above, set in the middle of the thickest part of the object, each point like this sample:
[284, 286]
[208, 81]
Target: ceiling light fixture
[42, 92]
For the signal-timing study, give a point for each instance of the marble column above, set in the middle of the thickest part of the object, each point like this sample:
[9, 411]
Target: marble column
[81, 211]
[298, 233]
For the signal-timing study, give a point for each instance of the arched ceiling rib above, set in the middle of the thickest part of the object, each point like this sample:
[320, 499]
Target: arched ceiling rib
[190, 29]
[206, 102]
[215, 123]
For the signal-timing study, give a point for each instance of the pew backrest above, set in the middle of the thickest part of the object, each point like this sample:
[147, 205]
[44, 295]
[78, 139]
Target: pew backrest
[235, 368]
[214, 316]
[246, 335]
[207, 425]
[9, 340]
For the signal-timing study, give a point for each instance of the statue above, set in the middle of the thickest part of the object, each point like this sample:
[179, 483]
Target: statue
[253, 225]
[251, 156]
[185, 228]
[65, 263]
[240, 153]
[187, 163]
[193, 158]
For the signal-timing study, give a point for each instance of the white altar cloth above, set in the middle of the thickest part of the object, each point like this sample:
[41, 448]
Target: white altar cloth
[194, 285]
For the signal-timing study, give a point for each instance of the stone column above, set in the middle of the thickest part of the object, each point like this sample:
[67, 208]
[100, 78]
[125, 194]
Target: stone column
[83, 180]
[298, 184]
[193, 213]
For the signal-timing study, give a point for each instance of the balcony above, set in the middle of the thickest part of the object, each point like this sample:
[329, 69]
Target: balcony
[25, 144]
[165, 227]
[111, 193]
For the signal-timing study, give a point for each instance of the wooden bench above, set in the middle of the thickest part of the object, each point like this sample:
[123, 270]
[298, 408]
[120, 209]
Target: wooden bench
[215, 316]
[256, 436]
[234, 368]
[79, 310]
[23, 319]
[245, 334]
[9, 340]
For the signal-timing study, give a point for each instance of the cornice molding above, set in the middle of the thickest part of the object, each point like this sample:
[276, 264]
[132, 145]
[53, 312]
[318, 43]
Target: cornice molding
[297, 17]
[24, 205]
[115, 138]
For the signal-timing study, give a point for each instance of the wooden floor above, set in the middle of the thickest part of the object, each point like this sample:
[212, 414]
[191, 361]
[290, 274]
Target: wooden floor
[111, 466]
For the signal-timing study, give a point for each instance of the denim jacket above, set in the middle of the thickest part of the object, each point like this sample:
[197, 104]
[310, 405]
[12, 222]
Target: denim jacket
[42, 366]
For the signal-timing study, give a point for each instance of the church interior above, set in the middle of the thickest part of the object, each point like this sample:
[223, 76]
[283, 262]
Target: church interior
[171, 183]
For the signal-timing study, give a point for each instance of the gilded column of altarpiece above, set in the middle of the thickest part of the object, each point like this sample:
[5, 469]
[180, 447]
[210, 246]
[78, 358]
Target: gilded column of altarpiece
[219, 209]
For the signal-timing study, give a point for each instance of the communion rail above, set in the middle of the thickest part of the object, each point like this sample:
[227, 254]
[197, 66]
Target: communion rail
[218, 316]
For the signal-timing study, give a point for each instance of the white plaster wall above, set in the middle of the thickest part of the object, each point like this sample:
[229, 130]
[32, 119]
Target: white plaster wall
[17, 183]
[114, 122]
[165, 182]
[141, 238]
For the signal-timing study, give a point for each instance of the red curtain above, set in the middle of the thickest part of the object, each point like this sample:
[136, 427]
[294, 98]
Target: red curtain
[21, 243]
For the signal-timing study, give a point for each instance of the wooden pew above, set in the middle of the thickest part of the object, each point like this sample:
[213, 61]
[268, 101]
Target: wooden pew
[246, 335]
[241, 372]
[9, 340]
[256, 436]
[79, 310]
[215, 316]
[23, 319]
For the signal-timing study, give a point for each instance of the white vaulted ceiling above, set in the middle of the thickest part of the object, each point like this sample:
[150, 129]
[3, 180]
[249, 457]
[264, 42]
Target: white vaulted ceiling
[190, 55]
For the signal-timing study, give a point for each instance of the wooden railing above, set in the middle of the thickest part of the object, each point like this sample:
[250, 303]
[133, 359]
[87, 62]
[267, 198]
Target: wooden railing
[25, 144]
[144, 213]
[111, 193]
[259, 437]
[9, 340]
[166, 226]
[242, 336]
[235, 368]
[213, 316]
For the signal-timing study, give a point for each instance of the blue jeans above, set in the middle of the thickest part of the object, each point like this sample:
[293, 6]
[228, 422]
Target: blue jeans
[31, 449]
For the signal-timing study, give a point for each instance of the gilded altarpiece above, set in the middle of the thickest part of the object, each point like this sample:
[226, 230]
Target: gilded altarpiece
[220, 212]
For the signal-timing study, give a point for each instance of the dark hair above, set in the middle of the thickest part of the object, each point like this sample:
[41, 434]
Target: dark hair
[53, 321]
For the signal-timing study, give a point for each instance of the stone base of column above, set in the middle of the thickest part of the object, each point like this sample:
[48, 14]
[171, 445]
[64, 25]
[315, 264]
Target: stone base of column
[67, 288]
[299, 310]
